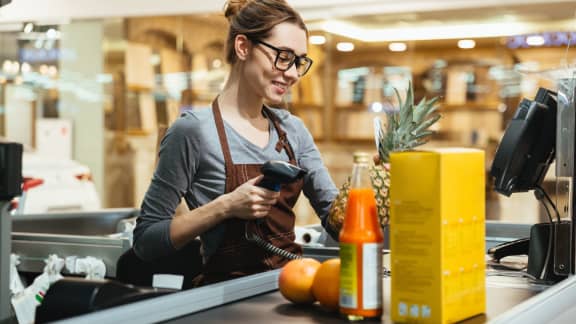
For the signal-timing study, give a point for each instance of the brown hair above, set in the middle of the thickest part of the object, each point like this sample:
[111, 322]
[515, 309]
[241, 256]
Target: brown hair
[255, 19]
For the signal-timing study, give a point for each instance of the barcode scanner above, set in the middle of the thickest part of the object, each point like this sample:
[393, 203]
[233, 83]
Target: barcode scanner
[276, 173]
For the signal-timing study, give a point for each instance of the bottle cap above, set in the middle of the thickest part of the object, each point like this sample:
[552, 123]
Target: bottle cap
[362, 157]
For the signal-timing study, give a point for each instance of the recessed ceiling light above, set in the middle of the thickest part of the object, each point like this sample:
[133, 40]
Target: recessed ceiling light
[466, 43]
[376, 107]
[535, 40]
[345, 47]
[397, 47]
[317, 39]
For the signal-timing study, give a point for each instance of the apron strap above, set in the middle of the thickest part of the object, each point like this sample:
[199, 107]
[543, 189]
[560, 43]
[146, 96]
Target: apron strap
[222, 137]
[283, 142]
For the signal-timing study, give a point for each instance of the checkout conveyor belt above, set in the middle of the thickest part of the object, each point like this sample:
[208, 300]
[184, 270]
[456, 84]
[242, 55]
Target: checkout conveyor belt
[256, 299]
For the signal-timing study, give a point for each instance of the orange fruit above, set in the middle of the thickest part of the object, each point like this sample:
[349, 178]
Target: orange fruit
[295, 280]
[326, 285]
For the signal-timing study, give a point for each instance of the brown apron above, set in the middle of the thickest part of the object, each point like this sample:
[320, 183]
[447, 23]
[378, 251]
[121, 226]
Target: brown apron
[235, 256]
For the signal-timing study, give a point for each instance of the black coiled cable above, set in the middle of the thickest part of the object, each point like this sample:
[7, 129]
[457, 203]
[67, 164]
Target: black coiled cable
[253, 237]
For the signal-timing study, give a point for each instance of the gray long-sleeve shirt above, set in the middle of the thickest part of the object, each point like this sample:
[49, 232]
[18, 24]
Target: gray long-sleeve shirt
[191, 165]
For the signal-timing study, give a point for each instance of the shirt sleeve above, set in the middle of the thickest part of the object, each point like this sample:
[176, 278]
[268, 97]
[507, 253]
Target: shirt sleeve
[319, 187]
[177, 161]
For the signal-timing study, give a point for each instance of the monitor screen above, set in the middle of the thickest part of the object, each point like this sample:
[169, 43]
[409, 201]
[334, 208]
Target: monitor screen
[528, 146]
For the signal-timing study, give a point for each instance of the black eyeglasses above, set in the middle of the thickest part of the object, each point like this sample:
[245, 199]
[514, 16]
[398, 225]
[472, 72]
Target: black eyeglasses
[286, 58]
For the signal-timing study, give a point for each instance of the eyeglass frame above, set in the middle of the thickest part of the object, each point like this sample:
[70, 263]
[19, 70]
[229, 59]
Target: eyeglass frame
[279, 51]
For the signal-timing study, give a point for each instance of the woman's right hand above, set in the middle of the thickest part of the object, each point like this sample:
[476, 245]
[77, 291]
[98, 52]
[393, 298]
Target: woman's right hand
[249, 201]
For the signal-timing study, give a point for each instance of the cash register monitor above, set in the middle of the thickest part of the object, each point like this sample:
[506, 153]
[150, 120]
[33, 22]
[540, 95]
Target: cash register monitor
[528, 146]
[522, 159]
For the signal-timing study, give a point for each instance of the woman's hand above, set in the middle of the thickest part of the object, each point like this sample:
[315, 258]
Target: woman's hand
[249, 201]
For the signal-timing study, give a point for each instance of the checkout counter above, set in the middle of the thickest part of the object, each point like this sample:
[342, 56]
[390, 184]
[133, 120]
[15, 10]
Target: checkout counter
[253, 299]
[256, 299]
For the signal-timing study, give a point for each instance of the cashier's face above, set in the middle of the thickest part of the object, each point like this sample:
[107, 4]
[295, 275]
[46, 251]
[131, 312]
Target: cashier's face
[264, 71]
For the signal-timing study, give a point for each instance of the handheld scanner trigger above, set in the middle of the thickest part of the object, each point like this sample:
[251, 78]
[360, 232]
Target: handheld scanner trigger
[276, 173]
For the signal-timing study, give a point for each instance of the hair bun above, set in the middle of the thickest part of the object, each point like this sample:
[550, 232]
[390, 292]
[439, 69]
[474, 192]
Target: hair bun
[233, 7]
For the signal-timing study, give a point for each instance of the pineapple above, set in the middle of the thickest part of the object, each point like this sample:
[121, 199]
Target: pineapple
[406, 128]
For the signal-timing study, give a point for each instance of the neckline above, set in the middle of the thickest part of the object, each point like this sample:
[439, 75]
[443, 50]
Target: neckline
[247, 141]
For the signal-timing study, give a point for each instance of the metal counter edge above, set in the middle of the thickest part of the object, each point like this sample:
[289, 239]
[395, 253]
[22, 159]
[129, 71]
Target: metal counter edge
[183, 303]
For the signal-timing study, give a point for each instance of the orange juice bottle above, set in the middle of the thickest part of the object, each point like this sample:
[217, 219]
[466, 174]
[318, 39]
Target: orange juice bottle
[361, 241]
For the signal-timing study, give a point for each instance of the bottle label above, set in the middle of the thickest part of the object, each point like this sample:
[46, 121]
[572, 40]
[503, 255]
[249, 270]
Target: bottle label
[348, 276]
[371, 275]
[361, 273]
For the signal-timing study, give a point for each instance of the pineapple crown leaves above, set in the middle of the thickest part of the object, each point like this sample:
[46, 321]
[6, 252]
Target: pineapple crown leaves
[408, 126]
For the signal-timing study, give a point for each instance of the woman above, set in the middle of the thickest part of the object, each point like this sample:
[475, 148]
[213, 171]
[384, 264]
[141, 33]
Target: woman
[212, 157]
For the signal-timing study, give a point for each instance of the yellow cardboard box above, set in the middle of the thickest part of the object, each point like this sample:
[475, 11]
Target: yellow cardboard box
[437, 235]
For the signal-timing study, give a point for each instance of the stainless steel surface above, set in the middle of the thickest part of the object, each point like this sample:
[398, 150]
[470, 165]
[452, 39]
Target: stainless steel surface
[33, 248]
[34, 237]
[5, 248]
[186, 302]
[500, 232]
[321, 253]
[546, 307]
[496, 232]
[102, 222]
[565, 128]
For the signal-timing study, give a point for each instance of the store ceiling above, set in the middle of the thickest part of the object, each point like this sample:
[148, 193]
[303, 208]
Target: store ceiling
[380, 11]
[365, 14]
[543, 12]
[454, 23]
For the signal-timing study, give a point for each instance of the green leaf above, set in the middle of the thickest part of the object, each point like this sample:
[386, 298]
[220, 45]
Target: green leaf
[422, 134]
[427, 123]
[407, 126]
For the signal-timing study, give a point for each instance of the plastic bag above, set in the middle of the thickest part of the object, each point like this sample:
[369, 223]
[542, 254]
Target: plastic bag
[25, 302]
[94, 268]
[16, 285]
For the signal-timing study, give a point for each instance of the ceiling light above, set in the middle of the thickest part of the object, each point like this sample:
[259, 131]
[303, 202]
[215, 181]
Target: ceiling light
[535, 40]
[430, 32]
[317, 39]
[397, 47]
[345, 47]
[376, 107]
[466, 43]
